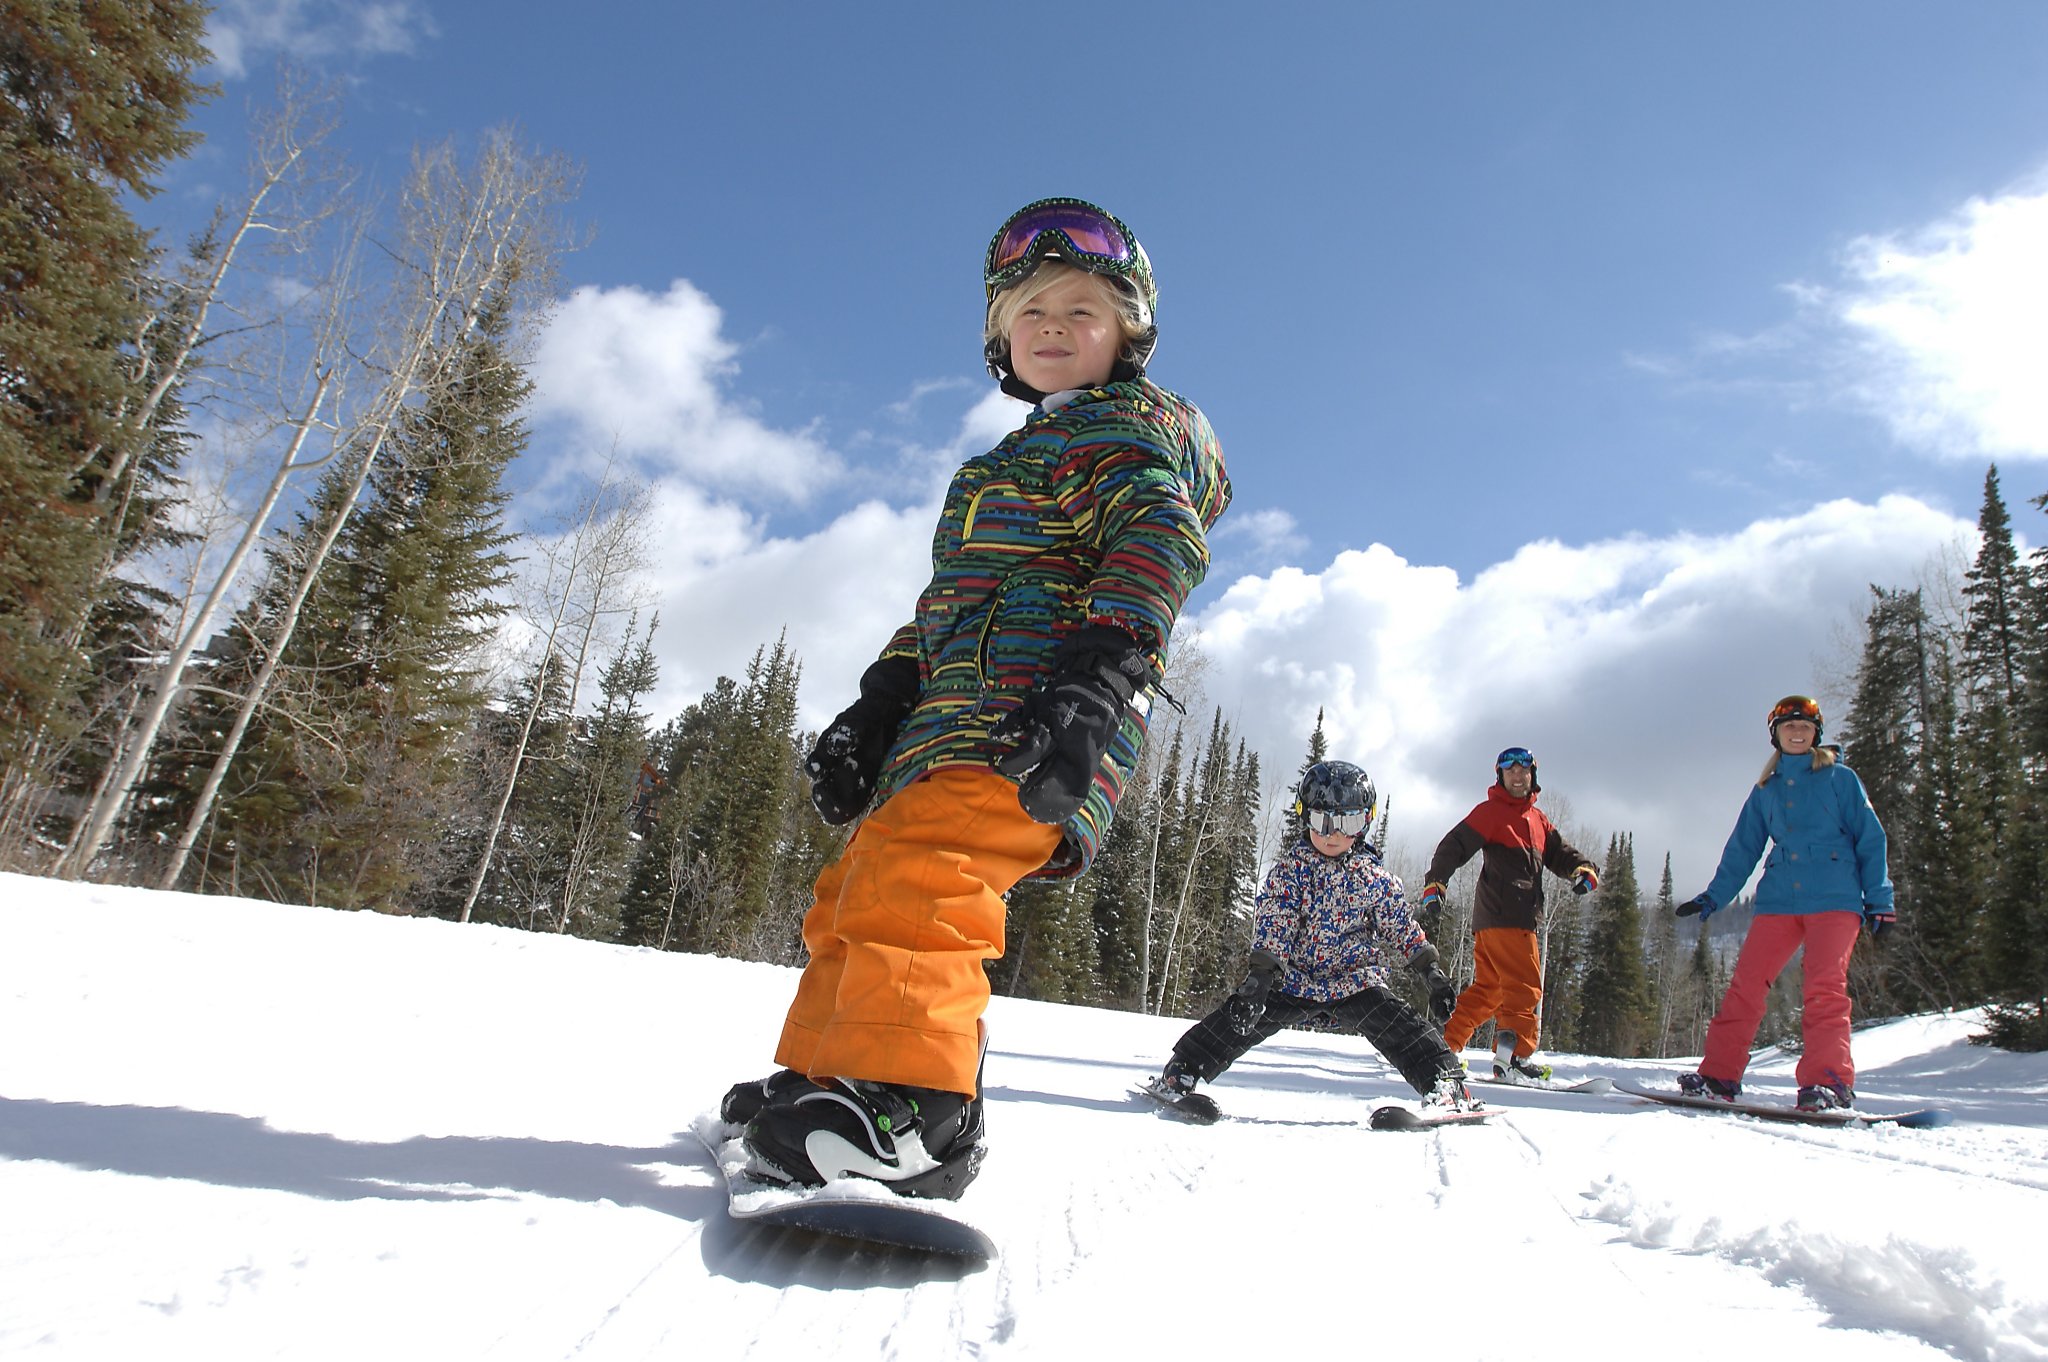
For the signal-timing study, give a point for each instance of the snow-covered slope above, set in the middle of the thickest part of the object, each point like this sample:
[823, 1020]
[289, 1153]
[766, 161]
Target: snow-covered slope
[238, 1130]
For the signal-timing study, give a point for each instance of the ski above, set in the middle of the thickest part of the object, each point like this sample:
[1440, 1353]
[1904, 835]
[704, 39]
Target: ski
[1588, 1085]
[855, 1209]
[1407, 1118]
[1193, 1107]
[1925, 1118]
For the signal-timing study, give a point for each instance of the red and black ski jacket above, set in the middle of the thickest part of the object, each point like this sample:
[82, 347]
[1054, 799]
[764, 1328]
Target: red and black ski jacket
[1520, 844]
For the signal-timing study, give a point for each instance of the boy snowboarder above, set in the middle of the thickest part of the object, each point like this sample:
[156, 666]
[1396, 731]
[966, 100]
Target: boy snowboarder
[996, 731]
[1329, 918]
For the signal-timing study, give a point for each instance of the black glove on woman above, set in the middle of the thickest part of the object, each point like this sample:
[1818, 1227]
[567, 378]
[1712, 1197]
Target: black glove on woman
[1067, 720]
[848, 758]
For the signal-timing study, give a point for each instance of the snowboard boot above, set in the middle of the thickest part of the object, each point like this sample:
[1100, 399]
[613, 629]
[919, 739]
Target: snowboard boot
[1699, 1085]
[916, 1141]
[743, 1101]
[1522, 1070]
[1826, 1097]
[1450, 1094]
[1176, 1079]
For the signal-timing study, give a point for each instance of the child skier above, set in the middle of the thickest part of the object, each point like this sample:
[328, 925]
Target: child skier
[1824, 881]
[1519, 843]
[996, 730]
[1328, 918]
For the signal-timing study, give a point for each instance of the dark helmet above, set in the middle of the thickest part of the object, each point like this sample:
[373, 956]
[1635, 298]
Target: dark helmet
[1088, 238]
[1517, 756]
[1336, 787]
[1795, 707]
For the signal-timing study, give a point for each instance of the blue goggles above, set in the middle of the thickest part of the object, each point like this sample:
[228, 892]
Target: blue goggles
[1515, 756]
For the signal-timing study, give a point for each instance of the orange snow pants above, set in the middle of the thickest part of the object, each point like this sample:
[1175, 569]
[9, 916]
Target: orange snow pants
[1829, 937]
[899, 928]
[1507, 985]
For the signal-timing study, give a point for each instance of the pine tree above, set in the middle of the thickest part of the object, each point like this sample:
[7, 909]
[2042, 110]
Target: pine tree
[1900, 737]
[380, 678]
[1564, 952]
[1318, 750]
[97, 92]
[605, 759]
[1615, 1017]
[1667, 968]
[2016, 963]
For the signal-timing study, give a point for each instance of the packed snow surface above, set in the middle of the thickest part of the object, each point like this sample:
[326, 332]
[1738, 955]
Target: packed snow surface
[234, 1130]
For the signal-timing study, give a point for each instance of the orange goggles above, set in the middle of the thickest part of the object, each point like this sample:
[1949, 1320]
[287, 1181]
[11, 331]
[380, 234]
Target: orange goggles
[1795, 707]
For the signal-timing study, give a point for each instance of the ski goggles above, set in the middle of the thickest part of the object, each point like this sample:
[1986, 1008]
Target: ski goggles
[1515, 756]
[1348, 823]
[1076, 230]
[1795, 707]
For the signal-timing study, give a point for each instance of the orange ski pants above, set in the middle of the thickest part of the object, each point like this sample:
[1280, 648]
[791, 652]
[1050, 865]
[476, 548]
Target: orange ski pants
[1507, 985]
[898, 930]
[1828, 938]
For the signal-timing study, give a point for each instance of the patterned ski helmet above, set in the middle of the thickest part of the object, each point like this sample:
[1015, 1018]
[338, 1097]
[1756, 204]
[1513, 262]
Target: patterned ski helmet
[1336, 787]
[1517, 756]
[1086, 237]
[1795, 707]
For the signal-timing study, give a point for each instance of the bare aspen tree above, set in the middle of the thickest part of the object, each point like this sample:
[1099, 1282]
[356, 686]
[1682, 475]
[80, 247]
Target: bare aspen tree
[583, 575]
[463, 232]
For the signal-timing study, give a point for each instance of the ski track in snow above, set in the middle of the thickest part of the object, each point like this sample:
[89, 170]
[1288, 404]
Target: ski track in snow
[233, 1130]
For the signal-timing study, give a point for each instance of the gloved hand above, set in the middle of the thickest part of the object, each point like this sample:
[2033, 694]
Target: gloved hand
[1699, 904]
[1067, 720]
[1879, 920]
[1443, 999]
[1247, 1002]
[848, 757]
[1585, 880]
[1432, 900]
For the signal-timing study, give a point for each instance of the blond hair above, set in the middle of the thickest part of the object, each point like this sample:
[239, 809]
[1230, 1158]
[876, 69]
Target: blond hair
[1822, 756]
[1130, 311]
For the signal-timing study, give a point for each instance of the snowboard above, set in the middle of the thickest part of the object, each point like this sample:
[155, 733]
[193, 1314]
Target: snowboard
[1588, 1085]
[1194, 1107]
[855, 1209]
[1407, 1118]
[1926, 1118]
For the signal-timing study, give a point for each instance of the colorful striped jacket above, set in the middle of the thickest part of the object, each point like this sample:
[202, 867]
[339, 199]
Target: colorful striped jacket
[1338, 923]
[1094, 512]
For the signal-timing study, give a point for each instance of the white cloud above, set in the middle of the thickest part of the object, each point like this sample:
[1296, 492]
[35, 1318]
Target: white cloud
[649, 374]
[1269, 531]
[1955, 323]
[243, 33]
[1638, 670]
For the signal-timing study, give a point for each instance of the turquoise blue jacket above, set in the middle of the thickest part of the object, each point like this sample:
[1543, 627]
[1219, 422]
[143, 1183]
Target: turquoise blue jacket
[1827, 849]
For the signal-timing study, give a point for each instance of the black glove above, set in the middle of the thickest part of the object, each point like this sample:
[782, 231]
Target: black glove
[1248, 1003]
[1698, 904]
[848, 758]
[1443, 999]
[1879, 920]
[1067, 720]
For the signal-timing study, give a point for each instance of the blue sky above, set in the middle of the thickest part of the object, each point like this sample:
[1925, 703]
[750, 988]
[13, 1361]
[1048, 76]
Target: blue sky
[1577, 366]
